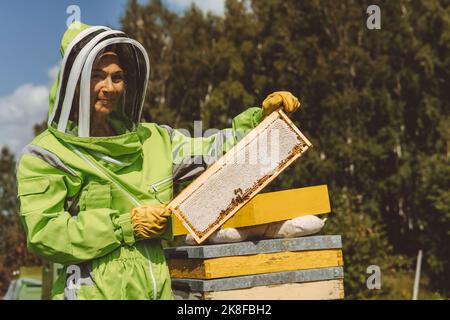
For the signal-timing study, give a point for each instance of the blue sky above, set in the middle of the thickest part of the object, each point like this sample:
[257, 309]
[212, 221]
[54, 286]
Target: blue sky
[31, 32]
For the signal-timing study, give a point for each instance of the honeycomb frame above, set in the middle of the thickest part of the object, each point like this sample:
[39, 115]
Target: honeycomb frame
[242, 197]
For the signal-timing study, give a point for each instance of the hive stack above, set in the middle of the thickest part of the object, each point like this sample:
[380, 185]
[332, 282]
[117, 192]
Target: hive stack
[293, 268]
[288, 269]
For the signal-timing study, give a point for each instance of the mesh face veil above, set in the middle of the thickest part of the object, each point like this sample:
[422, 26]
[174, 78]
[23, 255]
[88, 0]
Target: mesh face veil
[102, 85]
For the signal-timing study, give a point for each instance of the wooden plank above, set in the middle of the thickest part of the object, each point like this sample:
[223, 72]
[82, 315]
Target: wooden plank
[275, 206]
[320, 290]
[255, 247]
[257, 280]
[254, 264]
[201, 235]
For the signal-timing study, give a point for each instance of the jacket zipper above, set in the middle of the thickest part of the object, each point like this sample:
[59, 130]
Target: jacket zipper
[108, 158]
[155, 185]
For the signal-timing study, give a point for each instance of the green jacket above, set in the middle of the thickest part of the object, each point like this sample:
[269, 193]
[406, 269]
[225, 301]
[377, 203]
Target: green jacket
[76, 194]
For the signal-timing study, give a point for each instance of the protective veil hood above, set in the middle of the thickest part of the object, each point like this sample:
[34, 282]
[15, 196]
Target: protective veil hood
[78, 107]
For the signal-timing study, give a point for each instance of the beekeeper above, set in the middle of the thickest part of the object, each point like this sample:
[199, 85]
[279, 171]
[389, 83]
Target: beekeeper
[94, 185]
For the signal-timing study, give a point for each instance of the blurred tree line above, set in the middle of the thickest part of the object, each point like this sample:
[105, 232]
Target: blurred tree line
[13, 247]
[375, 105]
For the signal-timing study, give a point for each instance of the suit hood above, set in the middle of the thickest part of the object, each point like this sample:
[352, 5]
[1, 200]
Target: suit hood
[73, 101]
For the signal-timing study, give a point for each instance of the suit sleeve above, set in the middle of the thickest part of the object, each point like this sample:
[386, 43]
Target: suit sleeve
[52, 232]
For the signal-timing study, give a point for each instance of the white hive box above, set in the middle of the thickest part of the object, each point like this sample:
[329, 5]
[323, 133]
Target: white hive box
[217, 194]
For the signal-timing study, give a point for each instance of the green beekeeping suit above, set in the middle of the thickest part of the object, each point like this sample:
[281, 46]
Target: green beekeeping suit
[76, 190]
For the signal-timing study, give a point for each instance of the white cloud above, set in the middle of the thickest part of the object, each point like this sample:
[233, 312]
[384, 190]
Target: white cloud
[22, 109]
[215, 6]
[53, 72]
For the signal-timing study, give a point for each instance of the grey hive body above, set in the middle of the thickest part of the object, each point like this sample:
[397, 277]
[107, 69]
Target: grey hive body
[267, 279]
[255, 247]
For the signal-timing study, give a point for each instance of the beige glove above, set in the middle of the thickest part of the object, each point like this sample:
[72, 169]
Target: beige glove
[280, 99]
[149, 221]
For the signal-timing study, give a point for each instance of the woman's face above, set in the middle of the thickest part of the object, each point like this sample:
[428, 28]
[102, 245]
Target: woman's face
[107, 84]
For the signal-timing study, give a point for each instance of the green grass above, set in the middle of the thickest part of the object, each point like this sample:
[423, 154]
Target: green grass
[400, 284]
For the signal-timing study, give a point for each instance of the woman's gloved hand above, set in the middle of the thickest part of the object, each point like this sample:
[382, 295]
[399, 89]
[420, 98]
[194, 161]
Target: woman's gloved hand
[149, 221]
[280, 99]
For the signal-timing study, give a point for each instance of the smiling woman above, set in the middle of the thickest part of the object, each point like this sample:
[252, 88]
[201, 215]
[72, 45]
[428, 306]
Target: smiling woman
[87, 184]
[102, 85]
[107, 89]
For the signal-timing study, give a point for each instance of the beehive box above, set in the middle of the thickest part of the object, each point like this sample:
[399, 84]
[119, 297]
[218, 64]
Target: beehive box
[294, 268]
[315, 284]
[240, 174]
